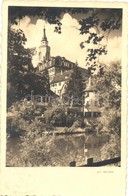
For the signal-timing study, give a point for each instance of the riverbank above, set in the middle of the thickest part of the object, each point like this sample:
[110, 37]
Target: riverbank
[60, 150]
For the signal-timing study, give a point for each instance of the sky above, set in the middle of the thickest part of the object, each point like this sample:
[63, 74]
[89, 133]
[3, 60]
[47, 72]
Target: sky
[66, 44]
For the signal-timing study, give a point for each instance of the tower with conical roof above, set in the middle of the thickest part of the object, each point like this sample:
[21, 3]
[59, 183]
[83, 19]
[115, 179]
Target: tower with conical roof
[44, 49]
[91, 102]
[44, 40]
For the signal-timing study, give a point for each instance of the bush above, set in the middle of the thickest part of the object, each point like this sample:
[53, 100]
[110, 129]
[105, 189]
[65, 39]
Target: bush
[34, 151]
[79, 123]
[111, 149]
[55, 116]
[16, 126]
[21, 118]
[60, 116]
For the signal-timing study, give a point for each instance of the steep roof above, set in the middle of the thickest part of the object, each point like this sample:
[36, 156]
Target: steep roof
[56, 61]
[89, 86]
[62, 76]
[44, 38]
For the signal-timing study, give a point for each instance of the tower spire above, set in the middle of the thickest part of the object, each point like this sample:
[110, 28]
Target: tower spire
[44, 49]
[44, 34]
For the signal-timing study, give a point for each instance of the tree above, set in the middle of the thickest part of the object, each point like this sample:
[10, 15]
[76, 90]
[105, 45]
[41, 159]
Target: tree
[74, 87]
[21, 77]
[111, 149]
[109, 90]
[46, 79]
[19, 64]
[21, 117]
[96, 23]
[55, 116]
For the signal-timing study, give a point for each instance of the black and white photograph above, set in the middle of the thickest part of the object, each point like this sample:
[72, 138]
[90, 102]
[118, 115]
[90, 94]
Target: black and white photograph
[64, 86]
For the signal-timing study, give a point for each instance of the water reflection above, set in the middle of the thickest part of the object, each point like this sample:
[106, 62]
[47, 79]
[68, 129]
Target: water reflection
[66, 148]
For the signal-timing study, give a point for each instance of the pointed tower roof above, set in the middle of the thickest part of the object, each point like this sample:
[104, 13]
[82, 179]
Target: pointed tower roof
[89, 87]
[44, 38]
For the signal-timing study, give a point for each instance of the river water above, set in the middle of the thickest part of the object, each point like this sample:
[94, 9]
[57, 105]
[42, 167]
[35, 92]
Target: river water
[67, 148]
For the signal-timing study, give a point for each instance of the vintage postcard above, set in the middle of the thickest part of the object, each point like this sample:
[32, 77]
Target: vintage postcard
[64, 77]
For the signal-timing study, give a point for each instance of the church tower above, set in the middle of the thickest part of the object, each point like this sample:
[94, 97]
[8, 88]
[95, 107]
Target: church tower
[44, 49]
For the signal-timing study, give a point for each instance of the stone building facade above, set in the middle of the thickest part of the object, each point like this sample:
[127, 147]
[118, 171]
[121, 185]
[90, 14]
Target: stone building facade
[54, 65]
[59, 70]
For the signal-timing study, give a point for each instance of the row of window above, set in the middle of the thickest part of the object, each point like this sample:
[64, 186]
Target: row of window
[57, 91]
[42, 67]
[67, 64]
[92, 114]
[56, 84]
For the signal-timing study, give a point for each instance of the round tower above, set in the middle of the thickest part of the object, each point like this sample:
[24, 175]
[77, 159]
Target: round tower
[90, 101]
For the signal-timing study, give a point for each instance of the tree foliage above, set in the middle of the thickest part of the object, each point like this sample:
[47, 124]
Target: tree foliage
[55, 116]
[95, 23]
[111, 149]
[74, 88]
[21, 78]
[21, 117]
[109, 90]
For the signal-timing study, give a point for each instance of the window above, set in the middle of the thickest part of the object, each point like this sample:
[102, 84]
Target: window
[87, 103]
[59, 83]
[87, 114]
[96, 114]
